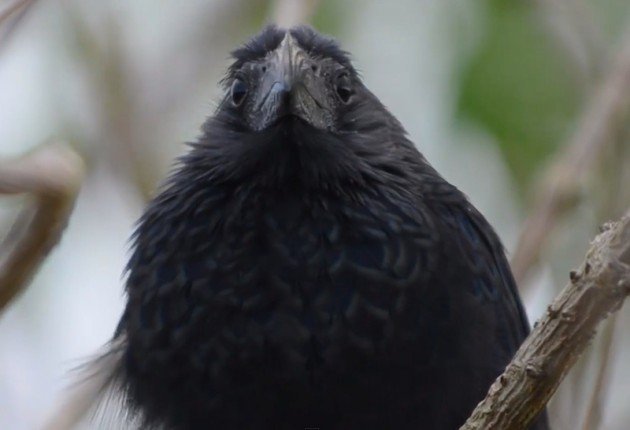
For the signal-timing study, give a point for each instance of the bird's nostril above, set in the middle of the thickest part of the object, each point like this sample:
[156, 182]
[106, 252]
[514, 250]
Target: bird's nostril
[279, 88]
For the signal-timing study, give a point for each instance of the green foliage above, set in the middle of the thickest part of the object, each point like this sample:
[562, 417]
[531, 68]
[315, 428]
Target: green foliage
[519, 87]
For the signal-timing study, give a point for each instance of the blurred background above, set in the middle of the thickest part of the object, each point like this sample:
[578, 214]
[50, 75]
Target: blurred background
[495, 93]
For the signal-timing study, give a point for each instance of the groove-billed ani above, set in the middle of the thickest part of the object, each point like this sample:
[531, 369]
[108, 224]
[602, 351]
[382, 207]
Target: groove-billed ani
[304, 266]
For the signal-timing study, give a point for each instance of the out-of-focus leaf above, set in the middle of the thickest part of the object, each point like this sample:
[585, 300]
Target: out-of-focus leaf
[519, 87]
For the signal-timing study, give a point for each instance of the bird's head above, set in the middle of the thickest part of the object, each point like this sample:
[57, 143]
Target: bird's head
[288, 75]
[295, 106]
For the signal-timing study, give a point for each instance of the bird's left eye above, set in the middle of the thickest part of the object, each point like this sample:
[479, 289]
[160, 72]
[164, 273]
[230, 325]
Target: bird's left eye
[344, 87]
[239, 91]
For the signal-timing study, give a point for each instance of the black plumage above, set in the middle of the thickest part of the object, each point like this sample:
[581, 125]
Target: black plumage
[305, 267]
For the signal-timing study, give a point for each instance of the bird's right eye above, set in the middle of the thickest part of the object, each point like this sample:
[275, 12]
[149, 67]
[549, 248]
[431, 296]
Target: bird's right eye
[239, 91]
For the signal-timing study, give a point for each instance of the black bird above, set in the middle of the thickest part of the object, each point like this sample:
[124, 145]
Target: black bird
[305, 267]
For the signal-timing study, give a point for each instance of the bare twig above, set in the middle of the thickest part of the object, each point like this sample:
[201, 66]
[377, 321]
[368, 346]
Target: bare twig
[53, 175]
[597, 289]
[12, 16]
[595, 131]
[287, 13]
[15, 7]
[108, 68]
[577, 36]
[613, 202]
[574, 28]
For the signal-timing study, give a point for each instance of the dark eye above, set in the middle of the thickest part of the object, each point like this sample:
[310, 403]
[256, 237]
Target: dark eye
[344, 87]
[239, 91]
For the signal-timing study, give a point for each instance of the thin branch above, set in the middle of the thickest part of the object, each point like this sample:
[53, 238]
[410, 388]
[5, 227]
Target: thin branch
[574, 28]
[613, 203]
[577, 36]
[596, 129]
[53, 175]
[596, 290]
[593, 416]
[15, 7]
[287, 13]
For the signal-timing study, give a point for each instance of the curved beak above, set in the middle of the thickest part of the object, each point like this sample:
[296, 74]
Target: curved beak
[290, 87]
